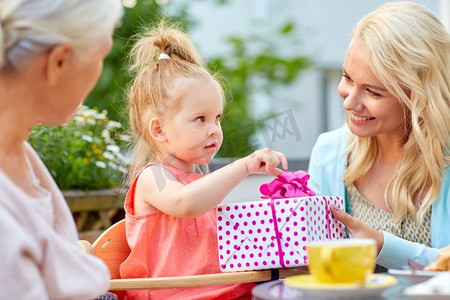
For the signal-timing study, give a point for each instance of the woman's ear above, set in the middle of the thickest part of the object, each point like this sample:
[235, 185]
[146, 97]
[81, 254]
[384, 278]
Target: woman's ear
[57, 63]
[155, 129]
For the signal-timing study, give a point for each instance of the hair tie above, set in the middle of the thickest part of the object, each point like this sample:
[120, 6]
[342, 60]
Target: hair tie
[163, 56]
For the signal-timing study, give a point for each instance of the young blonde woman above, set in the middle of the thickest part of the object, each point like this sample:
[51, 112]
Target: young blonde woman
[176, 107]
[51, 55]
[391, 160]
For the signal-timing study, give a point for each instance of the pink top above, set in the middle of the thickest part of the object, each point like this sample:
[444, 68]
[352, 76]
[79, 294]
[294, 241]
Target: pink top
[163, 245]
[39, 253]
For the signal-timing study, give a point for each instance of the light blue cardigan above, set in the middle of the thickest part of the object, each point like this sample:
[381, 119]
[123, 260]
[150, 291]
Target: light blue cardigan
[326, 168]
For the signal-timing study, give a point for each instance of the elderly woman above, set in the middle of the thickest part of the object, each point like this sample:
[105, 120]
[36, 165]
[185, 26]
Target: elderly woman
[51, 54]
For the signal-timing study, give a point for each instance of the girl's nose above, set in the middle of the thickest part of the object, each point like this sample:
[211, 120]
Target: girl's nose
[214, 129]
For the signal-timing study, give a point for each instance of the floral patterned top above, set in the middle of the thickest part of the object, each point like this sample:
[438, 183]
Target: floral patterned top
[379, 219]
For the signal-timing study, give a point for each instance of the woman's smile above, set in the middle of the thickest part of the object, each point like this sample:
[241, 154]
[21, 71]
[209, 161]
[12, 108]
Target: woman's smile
[360, 119]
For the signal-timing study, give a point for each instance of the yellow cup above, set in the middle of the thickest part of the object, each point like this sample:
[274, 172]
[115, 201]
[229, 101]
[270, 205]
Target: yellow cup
[342, 261]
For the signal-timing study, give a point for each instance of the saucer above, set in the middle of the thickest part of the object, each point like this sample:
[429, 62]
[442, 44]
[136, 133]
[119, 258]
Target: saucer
[309, 286]
[414, 276]
[433, 289]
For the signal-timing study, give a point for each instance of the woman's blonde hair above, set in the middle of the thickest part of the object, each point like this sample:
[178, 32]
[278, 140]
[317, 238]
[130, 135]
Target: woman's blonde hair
[159, 84]
[409, 51]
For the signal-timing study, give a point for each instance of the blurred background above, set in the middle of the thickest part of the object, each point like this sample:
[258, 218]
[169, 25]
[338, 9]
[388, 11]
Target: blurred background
[281, 60]
[281, 64]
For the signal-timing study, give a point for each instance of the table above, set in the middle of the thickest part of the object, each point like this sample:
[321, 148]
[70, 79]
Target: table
[275, 290]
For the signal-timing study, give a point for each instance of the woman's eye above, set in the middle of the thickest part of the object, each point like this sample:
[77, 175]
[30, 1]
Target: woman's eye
[200, 119]
[346, 77]
[372, 93]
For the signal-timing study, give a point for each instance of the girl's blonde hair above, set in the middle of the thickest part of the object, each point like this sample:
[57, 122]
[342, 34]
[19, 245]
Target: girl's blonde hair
[409, 51]
[159, 84]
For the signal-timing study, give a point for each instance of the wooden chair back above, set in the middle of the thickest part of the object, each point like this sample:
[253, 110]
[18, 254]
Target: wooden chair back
[112, 247]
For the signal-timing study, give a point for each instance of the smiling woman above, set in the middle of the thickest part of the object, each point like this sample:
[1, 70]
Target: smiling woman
[391, 161]
[371, 109]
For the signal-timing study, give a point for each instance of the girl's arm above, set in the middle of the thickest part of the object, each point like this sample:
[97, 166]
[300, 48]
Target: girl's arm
[158, 188]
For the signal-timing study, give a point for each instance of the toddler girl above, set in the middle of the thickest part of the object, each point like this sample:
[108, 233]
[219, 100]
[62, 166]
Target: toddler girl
[176, 107]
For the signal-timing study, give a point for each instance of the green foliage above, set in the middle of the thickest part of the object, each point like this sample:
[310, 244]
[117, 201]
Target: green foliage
[109, 92]
[252, 67]
[83, 154]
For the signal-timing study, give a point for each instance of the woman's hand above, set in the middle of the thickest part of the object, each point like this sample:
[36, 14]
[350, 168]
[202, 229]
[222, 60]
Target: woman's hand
[266, 161]
[356, 228]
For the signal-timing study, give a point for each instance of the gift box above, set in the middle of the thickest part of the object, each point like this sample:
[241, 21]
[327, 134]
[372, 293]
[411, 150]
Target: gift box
[273, 233]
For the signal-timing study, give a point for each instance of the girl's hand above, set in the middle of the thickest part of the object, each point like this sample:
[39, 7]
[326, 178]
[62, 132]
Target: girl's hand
[266, 161]
[356, 228]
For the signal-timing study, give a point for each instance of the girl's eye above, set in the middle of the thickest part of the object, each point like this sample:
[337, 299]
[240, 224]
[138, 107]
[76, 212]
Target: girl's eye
[219, 118]
[200, 119]
[372, 93]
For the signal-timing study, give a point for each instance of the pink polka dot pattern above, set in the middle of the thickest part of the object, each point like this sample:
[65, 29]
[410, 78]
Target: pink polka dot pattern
[246, 231]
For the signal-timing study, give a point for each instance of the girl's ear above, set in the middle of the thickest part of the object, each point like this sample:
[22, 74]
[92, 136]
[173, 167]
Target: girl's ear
[156, 131]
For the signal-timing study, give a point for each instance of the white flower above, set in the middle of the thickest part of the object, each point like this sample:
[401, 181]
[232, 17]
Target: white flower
[101, 116]
[107, 137]
[100, 164]
[87, 138]
[90, 120]
[82, 109]
[79, 120]
[125, 137]
[123, 170]
[112, 165]
[113, 124]
[108, 155]
[113, 148]
[122, 158]
[105, 133]
[88, 112]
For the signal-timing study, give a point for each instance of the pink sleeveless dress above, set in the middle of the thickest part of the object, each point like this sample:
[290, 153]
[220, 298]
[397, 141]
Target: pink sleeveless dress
[163, 245]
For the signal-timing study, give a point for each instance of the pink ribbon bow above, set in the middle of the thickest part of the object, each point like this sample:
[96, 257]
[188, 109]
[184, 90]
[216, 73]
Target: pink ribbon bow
[287, 185]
